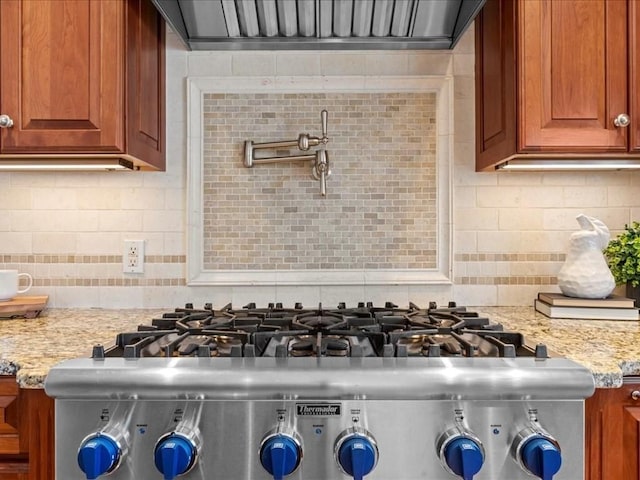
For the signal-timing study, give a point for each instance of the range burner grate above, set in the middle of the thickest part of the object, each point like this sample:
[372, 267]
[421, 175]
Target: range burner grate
[361, 331]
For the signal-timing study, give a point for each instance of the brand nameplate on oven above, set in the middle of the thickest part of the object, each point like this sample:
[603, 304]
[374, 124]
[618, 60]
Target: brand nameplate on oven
[318, 409]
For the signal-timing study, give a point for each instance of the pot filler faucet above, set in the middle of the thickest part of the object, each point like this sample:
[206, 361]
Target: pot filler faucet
[320, 170]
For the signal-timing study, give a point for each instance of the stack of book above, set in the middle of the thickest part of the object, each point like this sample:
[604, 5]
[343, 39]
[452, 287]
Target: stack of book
[614, 307]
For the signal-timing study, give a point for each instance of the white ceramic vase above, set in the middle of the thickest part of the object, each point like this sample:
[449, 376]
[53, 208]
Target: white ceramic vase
[585, 273]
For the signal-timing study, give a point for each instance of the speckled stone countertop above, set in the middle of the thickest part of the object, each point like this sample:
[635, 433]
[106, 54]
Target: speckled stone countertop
[610, 349]
[30, 347]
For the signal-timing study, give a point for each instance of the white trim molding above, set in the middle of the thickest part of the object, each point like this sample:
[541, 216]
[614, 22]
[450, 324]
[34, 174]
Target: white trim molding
[442, 86]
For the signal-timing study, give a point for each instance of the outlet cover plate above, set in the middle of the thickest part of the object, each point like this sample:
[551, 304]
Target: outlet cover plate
[133, 256]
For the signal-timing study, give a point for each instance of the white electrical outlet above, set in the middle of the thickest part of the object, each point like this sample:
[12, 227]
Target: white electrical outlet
[133, 256]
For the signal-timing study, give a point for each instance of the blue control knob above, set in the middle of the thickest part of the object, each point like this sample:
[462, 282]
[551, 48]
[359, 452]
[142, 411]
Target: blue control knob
[174, 455]
[464, 457]
[280, 455]
[541, 457]
[357, 456]
[98, 454]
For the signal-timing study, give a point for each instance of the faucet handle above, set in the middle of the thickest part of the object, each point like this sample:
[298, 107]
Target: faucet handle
[321, 171]
[306, 141]
[324, 117]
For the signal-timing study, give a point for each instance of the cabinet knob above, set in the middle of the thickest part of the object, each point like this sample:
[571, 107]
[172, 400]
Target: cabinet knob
[6, 121]
[622, 120]
[635, 395]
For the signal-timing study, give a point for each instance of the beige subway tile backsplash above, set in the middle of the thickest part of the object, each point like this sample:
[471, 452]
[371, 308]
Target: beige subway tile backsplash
[534, 196]
[380, 209]
[14, 198]
[477, 219]
[253, 64]
[206, 64]
[112, 221]
[296, 64]
[584, 196]
[101, 198]
[431, 63]
[499, 241]
[53, 242]
[54, 198]
[513, 219]
[382, 63]
[489, 197]
[623, 196]
[338, 63]
[510, 231]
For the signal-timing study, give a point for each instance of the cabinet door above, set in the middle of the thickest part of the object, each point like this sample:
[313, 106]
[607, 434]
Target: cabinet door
[39, 430]
[573, 70]
[10, 443]
[612, 421]
[634, 76]
[145, 83]
[495, 51]
[62, 76]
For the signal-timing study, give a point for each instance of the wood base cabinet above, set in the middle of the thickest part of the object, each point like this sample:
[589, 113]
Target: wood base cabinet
[613, 433]
[82, 79]
[26, 433]
[557, 79]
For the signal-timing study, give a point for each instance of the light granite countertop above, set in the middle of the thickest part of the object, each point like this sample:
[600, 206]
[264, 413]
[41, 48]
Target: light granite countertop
[30, 347]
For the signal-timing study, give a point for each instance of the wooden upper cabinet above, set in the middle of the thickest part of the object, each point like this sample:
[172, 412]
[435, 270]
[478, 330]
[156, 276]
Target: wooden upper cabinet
[573, 73]
[82, 77]
[61, 83]
[634, 75]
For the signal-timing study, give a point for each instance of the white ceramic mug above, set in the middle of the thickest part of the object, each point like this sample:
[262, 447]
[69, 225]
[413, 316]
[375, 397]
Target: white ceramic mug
[9, 284]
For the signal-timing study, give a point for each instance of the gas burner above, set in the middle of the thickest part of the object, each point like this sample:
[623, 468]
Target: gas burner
[302, 347]
[310, 346]
[335, 347]
[319, 320]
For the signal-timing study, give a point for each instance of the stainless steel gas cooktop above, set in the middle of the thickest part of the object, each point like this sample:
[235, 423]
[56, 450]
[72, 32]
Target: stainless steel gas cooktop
[376, 392]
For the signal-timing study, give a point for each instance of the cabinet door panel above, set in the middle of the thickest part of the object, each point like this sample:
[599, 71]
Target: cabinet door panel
[612, 421]
[9, 436]
[10, 442]
[62, 80]
[631, 437]
[495, 83]
[145, 83]
[40, 422]
[574, 75]
[634, 65]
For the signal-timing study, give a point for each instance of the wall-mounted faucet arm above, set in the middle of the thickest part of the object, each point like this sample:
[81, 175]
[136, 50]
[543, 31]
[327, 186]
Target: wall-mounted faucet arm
[290, 158]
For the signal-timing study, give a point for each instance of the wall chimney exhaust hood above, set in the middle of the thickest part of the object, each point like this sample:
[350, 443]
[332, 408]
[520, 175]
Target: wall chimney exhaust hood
[319, 24]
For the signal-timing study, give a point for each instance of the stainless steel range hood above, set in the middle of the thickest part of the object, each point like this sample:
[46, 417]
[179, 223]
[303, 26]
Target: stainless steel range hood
[319, 24]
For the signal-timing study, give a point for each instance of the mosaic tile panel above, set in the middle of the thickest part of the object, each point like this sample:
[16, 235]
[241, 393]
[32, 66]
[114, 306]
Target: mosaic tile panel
[380, 209]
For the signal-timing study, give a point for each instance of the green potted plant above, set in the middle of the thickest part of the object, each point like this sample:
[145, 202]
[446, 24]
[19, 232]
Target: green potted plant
[623, 256]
